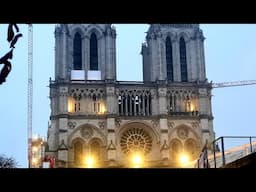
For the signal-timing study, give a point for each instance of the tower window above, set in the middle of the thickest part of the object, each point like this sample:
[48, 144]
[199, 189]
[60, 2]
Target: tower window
[183, 60]
[169, 63]
[93, 52]
[77, 52]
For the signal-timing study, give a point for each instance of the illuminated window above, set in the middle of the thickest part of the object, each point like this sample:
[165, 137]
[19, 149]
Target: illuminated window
[71, 105]
[102, 108]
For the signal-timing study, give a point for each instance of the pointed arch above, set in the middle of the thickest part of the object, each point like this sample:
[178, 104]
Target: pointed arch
[93, 52]
[95, 146]
[86, 131]
[169, 59]
[77, 52]
[183, 60]
[191, 148]
[94, 28]
[78, 152]
[176, 148]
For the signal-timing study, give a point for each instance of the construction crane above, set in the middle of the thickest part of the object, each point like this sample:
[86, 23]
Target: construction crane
[30, 92]
[234, 83]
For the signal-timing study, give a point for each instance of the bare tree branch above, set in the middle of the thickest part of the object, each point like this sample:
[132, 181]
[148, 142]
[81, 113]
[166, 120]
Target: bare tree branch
[7, 162]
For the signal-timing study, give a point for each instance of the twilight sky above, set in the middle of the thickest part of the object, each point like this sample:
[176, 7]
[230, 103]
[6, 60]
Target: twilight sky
[230, 55]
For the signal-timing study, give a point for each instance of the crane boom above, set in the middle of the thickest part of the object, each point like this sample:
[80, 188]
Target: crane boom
[234, 83]
[30, 92]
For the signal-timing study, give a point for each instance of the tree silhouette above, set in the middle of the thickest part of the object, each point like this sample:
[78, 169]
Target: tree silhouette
[7, 162]
[12, 38]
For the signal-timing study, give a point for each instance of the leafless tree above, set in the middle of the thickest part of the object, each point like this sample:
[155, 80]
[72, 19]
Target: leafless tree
[7, 162]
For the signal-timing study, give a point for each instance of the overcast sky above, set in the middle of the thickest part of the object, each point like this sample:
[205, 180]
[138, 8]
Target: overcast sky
[230, 55]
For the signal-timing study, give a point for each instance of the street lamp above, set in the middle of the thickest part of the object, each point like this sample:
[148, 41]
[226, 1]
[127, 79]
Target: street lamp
[89, 162]
[137, 160]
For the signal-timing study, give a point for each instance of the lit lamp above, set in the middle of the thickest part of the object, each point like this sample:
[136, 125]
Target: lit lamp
[34, 161]
[137, 160]
[34, 149]
[89, 161]
[184, 160]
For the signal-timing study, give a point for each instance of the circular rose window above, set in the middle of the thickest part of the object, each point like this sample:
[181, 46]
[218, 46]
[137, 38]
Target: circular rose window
[136, 140]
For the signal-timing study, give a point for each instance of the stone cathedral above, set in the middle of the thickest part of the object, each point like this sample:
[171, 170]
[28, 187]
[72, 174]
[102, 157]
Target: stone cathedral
[98, 121]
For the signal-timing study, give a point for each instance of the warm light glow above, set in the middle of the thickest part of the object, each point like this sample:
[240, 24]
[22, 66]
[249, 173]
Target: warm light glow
[71, 105]
[137, 160]
[89, 161]
[34, 160]
[102, 109]
[184, 159]
[192, 107]
[34, 149]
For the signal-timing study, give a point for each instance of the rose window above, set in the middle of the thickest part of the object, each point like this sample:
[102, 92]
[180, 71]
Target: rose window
[136, 140]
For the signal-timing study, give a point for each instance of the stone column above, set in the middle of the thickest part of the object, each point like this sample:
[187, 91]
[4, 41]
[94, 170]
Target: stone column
[63, 100]
[202, 59]
[64, 56]
[111, 100]
[62, 146]
[53, 136]
[113, 55]
[190, 67]
[111, 142]
[203, 101]
[162, 91]
[163, 141]
[58, 50]
[193, 64]
[159, 62]
[155, 103]
[153, 59]
[108, 56]
[176, 60]
[86, 55]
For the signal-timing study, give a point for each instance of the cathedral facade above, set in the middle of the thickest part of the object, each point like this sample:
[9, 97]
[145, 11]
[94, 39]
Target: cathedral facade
[98, 121]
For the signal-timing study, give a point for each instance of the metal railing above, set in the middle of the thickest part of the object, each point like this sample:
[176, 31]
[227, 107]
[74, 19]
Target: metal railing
[226, 149]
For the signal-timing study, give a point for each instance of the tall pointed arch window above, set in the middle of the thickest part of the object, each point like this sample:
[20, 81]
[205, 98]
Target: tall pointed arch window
[78, 153]
[93, 52]
[77, 52]
[169, 59]
[95, 150]
[183, 60]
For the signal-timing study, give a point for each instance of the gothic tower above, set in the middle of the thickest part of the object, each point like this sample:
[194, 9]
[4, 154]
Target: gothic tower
[97, 121]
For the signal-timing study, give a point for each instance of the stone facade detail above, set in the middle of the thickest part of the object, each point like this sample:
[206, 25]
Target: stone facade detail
[93, 115]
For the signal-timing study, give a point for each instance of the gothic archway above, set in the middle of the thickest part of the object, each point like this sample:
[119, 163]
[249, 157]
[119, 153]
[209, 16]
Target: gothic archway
[95, 151]
[137, 139]
[176, 148]
[184, 142]
[190, 147]
[78, 152]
